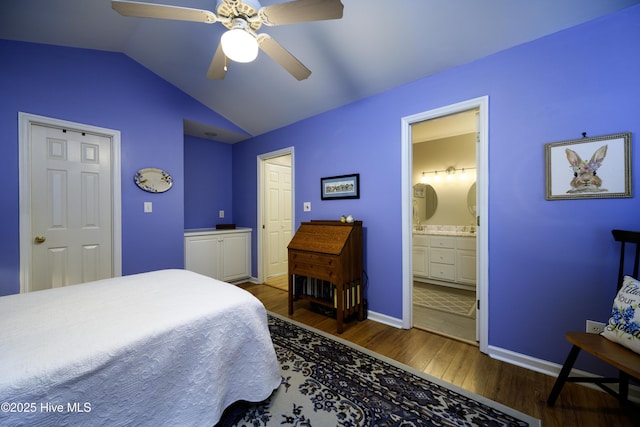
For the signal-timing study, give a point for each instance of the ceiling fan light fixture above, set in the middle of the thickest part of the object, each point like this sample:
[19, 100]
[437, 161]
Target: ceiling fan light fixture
[238, 45]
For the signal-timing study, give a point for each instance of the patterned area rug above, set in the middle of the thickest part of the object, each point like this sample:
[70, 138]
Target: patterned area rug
[329, 382]
[449, 300]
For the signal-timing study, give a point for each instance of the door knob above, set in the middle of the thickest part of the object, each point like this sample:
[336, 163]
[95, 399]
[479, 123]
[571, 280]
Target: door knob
[39, 239]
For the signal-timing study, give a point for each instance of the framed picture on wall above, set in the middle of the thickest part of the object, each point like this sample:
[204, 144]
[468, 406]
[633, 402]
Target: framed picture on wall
[588, 168]
[340, 187]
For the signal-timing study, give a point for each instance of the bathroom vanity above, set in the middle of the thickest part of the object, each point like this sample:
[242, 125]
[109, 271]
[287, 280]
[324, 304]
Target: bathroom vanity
[445, 256]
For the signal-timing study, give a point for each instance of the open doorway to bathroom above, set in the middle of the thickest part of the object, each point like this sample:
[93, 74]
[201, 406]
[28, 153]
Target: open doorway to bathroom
[481, 104]
[444, 294]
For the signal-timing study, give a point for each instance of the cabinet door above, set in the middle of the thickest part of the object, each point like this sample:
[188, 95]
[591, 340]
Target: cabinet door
[466, 267]
[420, 261]
[236, 257]
[201, 255]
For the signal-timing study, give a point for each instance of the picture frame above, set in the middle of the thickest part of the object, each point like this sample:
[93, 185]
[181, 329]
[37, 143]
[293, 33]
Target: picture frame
[589, 168]
[340, 187]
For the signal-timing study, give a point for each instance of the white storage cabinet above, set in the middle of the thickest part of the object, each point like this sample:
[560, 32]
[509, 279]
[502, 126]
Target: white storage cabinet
[221, 254]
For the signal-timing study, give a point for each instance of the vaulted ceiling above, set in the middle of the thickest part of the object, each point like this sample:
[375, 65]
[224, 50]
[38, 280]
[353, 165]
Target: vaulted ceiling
[376, 46]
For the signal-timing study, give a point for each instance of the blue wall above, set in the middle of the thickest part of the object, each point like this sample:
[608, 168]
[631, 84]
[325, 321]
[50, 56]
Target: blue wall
[107, 90]
[207, 183]
[552, 263]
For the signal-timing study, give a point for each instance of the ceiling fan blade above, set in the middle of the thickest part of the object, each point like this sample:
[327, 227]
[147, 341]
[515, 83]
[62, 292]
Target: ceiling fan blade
[149, 10]
[218, 67]
[283, 57]
[301, 11]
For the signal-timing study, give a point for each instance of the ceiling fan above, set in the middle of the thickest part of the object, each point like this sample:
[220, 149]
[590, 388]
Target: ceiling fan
[243, 18]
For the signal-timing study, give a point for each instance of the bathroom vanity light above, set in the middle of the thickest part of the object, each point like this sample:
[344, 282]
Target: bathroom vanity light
[427, 179]
[449, 173]
[464, 175]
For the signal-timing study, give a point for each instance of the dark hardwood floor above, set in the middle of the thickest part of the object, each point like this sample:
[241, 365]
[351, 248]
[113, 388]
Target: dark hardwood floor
[465, 366]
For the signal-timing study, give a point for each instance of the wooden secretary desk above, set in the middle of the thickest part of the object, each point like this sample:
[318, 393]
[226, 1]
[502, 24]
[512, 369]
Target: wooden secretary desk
[327, 257]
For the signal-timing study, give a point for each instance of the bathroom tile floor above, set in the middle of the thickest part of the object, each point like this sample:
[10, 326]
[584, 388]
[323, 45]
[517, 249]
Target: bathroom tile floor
[446, 311]
[442, 298]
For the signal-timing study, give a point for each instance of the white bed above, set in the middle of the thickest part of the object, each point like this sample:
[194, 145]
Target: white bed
[169, 347]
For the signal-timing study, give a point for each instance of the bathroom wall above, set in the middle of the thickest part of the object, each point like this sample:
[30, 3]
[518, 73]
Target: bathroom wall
[459, 152]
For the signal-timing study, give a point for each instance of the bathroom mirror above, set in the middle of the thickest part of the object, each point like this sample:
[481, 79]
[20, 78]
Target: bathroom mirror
[471, 200]
[425, 201]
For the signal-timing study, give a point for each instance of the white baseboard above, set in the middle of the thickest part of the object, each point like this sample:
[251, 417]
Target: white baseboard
[524, 361]
[550, 368]
[253, 280]
[384, 319]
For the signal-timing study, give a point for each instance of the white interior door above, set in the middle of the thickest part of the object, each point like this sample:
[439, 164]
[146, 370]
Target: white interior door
[278, 214]
[71, 207]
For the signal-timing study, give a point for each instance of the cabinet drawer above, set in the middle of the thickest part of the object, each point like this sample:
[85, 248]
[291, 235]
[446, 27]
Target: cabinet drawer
[442, 271]
[466, 243]
[313, 258]
[442, 242]
[442, 256]
[420, 240]
[313, 270]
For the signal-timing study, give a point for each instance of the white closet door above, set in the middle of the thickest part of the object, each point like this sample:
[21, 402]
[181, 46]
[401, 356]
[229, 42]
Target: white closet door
[71, 207]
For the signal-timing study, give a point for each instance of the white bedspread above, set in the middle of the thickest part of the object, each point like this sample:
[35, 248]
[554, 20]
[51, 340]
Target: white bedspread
[165, 348]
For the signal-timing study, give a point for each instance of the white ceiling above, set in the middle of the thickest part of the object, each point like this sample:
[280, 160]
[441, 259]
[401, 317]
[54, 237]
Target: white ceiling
[376, 46]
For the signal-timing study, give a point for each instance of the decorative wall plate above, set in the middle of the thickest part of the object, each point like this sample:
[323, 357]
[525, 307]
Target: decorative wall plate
[153, 180]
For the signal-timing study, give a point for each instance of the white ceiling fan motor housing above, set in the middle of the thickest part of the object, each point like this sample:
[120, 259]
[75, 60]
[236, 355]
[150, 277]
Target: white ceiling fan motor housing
[244, 9]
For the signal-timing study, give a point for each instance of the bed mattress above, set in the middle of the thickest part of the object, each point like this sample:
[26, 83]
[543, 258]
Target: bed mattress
[169, 347]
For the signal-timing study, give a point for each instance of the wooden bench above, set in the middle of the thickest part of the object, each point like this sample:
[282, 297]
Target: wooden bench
[626, 361]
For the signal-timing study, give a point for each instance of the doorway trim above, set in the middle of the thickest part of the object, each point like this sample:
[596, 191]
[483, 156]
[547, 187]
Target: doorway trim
[261, 160]
[482, 179]
[25, 121]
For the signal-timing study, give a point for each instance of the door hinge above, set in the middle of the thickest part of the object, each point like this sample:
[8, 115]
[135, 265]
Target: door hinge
[478, 305]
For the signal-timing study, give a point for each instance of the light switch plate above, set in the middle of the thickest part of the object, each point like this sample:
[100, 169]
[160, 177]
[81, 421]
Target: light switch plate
[148, 207]
[221, 214]
[307, 206]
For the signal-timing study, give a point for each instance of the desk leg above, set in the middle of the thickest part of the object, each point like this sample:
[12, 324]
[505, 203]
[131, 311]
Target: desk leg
[290, 294]
[360, 300]
[340, 307]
